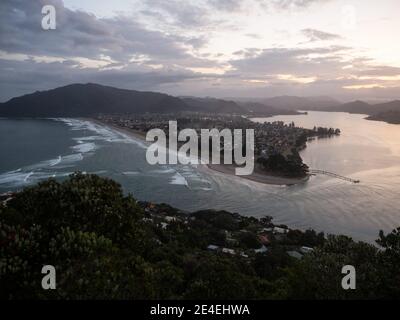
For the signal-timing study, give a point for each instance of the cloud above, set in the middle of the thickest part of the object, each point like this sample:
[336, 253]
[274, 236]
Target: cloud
[205, 47]
[317, 35]
[21, 77]
[117, 51]
[309, 71]
[177, 13]
[253, 35]
[226, 5]
[291, 4]
[82, 34]
[300, 61]
[379, 71]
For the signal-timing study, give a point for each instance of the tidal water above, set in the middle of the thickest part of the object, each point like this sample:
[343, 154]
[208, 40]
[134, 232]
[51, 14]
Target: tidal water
[33, 150]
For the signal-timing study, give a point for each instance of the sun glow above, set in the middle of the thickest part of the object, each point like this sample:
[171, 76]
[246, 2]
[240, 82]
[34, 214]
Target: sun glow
[293, 78]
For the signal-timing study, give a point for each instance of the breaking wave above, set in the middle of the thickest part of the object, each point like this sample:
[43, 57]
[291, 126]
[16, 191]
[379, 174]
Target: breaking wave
[84, 146]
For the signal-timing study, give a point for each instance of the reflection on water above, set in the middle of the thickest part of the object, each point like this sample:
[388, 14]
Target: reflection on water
[363, 145]
[366, 150]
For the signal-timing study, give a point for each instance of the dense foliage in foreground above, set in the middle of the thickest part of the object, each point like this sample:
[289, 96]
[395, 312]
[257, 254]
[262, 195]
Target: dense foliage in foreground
[104, 246]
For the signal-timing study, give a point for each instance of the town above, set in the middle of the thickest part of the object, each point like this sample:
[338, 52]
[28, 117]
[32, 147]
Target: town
[277, 145]
[230, 234]
[229, 143]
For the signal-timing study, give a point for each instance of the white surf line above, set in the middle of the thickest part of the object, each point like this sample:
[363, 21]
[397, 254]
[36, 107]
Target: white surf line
[28, 175]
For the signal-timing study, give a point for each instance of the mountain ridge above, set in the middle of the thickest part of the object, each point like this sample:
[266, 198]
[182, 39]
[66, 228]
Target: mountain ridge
[90, 99]
[362, 107]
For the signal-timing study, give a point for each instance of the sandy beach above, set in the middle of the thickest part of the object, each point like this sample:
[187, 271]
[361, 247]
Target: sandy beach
[256, 176]
[133, 133]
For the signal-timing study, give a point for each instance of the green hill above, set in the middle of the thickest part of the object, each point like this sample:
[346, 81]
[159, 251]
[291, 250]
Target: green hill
[77, 100]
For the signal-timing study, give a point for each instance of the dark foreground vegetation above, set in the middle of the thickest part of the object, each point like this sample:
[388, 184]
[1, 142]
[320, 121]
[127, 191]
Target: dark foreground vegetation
[106, 245]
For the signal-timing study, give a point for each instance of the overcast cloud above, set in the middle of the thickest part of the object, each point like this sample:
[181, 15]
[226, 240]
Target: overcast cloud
[203, 47]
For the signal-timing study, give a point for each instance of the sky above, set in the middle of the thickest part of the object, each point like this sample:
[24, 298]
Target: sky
[345, 49]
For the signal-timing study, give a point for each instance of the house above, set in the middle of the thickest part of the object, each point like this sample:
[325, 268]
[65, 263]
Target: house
[212, 247]
[170, 219]
[149, 207]
[295, 254]
[164, 225]
[280, 230]
[305, 250]
[230, 251]
[227, 233]
[263, 249]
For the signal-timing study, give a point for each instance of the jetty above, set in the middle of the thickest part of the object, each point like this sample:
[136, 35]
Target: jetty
[334, 175]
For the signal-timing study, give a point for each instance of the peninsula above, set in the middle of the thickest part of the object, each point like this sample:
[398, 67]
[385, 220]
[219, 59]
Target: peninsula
[277, 145]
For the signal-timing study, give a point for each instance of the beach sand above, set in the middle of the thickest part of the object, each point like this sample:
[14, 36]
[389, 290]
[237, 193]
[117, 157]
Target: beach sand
[130, 132]
[256, 176]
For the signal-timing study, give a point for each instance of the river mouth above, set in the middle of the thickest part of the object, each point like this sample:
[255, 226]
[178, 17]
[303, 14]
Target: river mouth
[362, 146]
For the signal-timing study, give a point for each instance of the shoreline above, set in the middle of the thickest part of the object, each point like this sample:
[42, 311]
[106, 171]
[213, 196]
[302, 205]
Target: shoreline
[216, 168]
[258, 177]
[133, 133]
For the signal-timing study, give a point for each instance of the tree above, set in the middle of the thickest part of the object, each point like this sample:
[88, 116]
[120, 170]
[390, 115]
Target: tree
[318, 275]
[96, 238]
[389, 261]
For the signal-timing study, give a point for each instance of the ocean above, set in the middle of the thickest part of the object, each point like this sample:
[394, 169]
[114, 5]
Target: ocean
[33, 150]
